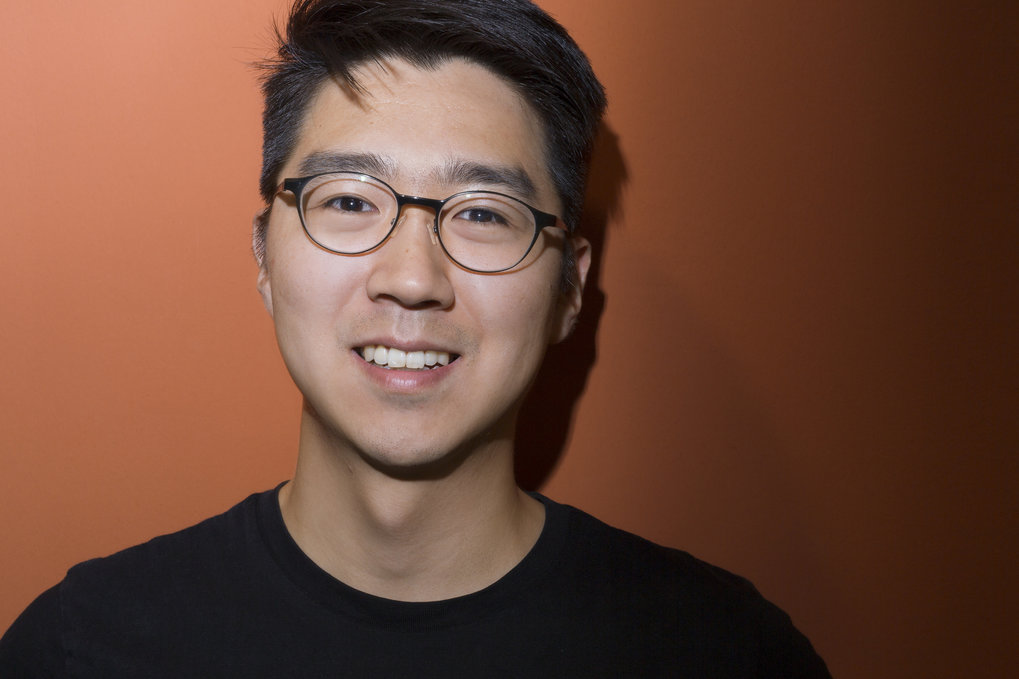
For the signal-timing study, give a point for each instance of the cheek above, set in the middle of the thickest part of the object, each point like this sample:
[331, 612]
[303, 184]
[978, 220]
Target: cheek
[517, 316]
[308, 291]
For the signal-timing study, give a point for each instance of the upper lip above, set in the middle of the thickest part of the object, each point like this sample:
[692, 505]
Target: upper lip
[408, 346]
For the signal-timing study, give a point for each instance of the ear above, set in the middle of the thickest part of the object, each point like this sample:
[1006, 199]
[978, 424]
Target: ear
[259, 225]
[571, 300]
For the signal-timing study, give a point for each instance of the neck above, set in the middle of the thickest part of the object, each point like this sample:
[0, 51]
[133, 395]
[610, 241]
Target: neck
[409, 537]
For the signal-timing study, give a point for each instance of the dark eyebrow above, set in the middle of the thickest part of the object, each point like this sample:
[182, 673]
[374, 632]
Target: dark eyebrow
[463, 174]
[329, 161]
[468, 174]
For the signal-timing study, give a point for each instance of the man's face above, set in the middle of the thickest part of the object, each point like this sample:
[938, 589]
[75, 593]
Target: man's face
[410, 129]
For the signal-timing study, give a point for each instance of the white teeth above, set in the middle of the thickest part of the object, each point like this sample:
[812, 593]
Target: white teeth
[397, 358]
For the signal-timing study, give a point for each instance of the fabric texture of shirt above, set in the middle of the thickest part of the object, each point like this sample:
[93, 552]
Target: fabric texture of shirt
[234, 596]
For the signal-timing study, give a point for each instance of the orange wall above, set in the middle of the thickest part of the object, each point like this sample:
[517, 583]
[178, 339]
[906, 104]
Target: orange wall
[805, 362]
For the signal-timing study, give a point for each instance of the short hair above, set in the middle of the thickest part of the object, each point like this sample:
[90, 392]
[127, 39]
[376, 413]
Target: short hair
[513, 38]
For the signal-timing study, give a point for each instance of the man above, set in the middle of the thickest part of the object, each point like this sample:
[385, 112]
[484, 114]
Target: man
[423, 171]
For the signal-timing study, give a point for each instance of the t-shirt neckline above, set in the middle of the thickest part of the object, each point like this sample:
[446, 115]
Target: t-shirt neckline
[520, 582]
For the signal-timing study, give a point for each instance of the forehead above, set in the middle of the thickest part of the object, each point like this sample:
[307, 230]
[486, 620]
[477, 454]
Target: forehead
[416, 120]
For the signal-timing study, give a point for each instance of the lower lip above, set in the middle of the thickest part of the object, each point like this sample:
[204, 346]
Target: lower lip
[401, 380]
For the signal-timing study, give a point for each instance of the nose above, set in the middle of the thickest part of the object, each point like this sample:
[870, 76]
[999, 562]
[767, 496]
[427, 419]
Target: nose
[410, 268]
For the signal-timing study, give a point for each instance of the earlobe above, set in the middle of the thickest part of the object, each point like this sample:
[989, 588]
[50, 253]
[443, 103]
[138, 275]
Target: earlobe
[265, 288]
[572, 299]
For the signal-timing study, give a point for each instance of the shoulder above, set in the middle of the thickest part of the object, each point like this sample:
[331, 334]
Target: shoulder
[32, 645]
[125, 595]
[159, 574]
[680, 604]
[178, 555]
[225, 531]
[616, 553]
[115, 596]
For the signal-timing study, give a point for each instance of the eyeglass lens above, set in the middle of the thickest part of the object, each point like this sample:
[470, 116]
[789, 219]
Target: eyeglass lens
[353, 213]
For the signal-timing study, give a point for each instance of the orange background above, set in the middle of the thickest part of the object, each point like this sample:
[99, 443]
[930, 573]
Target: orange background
[805, 361]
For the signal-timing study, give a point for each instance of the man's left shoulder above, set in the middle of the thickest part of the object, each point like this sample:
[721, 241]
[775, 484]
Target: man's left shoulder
[698, 611]
[621, 554]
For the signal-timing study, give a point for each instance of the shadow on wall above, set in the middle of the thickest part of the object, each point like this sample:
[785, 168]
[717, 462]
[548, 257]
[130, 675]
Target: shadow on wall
[546, 417]
[717, 474]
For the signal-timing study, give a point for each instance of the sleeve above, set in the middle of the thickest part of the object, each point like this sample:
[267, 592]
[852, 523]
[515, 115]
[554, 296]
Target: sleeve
[32, 646]
[784, 652]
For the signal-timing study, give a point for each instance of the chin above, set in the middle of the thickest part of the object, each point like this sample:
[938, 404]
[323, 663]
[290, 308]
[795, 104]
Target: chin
[414, 451]
[413, 463]
[407, 458]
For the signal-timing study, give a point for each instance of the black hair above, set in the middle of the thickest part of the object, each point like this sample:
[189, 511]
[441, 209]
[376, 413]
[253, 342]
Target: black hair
[513, 38]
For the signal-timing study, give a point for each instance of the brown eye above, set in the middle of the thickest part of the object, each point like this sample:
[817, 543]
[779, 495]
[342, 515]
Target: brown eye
[350, 204]
[480, 215]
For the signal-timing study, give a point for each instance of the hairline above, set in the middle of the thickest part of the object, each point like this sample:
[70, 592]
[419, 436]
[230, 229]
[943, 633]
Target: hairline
[353, 86]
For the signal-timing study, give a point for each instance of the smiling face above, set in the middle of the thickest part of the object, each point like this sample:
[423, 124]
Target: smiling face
[345, 324]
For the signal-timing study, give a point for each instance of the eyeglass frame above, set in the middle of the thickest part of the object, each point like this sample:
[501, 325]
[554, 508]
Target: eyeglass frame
[542, 220]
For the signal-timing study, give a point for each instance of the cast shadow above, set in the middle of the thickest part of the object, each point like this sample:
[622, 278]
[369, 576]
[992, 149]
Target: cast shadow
[546, 416]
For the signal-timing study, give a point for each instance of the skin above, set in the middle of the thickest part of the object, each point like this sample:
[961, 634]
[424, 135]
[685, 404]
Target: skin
[404, 486]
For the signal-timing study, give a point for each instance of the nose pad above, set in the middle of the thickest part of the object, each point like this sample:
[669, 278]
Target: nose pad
[430, 223]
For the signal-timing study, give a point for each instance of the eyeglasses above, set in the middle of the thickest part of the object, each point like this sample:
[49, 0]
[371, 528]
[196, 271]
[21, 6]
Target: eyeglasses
[349, 213]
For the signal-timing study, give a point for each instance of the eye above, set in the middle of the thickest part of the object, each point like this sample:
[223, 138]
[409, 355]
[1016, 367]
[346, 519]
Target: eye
[480, 215]
[349, 204]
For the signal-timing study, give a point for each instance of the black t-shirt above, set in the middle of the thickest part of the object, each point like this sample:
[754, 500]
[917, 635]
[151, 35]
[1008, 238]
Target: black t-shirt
[234, 596]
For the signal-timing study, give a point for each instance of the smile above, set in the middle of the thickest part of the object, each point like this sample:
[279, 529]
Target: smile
[388, 357]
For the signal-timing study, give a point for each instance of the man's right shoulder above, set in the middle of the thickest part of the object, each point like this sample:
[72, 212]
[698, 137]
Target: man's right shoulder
[115, 594]
[177, 555]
